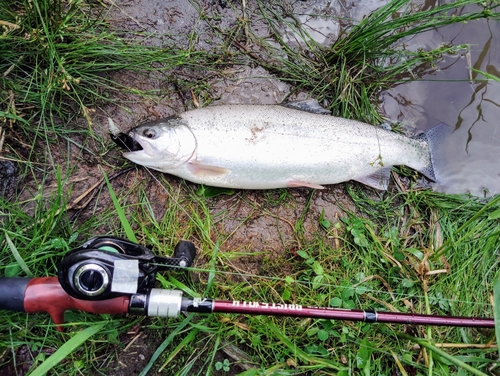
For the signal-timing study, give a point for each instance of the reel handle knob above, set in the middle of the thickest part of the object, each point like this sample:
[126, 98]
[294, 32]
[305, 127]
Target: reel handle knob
[186, 252]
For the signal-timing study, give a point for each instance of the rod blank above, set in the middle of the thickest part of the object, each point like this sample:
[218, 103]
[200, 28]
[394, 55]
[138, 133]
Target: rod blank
[296, 310]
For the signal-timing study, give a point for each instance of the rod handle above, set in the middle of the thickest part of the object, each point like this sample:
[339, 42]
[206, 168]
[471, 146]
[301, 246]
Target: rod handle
[12, 293]
[46, 295]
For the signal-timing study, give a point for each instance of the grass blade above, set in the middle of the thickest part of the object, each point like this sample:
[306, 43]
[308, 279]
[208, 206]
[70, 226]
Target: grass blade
[192, 333]
[66, 349]
[487, 75]
[298, 352]
[496, 308]
[121, 214]
[17, 256]
[401, 368]
[164, 345]
[443, 354]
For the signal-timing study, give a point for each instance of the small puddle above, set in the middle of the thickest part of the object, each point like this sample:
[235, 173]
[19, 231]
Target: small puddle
[453, 94]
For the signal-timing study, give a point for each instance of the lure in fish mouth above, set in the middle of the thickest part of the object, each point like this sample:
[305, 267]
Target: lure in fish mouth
[270, 146]
[126, 142]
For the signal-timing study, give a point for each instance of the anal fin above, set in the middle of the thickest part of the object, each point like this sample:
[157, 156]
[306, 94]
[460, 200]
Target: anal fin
[303, 184]
[378, 180]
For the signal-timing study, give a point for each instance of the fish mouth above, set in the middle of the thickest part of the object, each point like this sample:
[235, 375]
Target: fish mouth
[126, 142]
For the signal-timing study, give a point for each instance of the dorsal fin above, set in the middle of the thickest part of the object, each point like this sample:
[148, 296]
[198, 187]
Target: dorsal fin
[309, 105]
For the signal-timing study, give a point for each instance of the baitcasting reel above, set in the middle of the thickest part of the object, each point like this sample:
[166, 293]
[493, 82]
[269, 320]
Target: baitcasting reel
[106, 267]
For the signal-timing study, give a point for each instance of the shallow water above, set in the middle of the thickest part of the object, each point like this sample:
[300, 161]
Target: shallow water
[462, 99]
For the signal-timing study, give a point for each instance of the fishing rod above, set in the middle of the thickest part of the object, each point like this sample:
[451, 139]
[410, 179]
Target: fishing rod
[114, 276]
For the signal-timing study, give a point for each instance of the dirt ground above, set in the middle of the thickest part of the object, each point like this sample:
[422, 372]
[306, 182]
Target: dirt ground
[268, 228]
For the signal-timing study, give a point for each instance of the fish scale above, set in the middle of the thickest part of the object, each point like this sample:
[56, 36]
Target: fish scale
[273, 146]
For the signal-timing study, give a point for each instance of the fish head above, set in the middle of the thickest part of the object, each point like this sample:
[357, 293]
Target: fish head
[162, 145]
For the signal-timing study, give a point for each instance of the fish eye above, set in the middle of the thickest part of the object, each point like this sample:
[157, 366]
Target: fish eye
[149, 133]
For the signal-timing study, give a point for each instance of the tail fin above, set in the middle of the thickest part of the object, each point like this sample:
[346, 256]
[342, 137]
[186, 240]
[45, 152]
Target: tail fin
[435, 138]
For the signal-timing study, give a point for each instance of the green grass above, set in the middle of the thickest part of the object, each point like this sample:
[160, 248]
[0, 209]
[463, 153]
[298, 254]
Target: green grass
[406, 250]
[378, 266]
[58, 57]
[367, 57]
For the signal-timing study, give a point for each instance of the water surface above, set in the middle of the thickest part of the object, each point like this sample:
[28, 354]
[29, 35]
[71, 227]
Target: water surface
[464, 100]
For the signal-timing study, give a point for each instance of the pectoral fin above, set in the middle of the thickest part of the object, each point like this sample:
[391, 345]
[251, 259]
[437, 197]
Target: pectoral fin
[205, 170]
[378, 180]
[298, 183]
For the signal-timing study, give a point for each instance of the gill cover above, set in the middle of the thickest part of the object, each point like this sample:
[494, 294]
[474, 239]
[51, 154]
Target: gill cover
[166, 144]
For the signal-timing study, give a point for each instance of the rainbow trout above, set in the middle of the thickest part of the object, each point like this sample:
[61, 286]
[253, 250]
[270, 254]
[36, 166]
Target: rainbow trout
[273, 146]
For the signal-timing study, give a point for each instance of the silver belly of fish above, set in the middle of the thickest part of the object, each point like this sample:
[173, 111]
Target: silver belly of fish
[263, 147]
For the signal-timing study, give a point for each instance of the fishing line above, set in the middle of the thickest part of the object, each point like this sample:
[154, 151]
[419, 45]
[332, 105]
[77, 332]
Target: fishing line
[181, 207]
[393, 295]
[306, 284]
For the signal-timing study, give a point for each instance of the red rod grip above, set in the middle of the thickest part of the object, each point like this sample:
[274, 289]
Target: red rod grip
[46, 295]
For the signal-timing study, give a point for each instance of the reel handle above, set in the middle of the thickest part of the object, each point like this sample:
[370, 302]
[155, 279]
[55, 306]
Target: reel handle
[185, 252]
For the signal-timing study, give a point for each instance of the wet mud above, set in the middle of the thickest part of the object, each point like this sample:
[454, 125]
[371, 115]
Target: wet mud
[9, 176]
